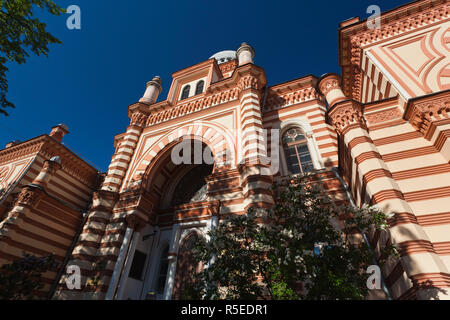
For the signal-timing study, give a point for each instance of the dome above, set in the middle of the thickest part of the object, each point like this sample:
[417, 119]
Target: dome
[224, 56]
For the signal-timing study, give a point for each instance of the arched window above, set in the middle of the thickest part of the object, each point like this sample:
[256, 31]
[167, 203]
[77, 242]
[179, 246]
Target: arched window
[199, 88]
[162, 272]
[296, 150]
[185, 93]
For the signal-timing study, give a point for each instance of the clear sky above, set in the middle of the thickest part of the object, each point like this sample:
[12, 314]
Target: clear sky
[89, 81]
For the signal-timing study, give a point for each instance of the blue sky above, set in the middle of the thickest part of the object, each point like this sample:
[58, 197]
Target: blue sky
[89, 81]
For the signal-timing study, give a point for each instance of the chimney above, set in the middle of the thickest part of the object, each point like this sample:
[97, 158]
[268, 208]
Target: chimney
[59, 131]
[245, 54]
[152, 91]
[12, 144]
[48, 170]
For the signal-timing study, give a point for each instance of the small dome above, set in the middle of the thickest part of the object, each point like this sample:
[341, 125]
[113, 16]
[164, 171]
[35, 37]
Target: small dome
[56, 159]
[224, 56]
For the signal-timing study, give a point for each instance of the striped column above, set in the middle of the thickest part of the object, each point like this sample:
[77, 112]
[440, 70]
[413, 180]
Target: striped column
[256, 177]
[418, 257]
[124, 153]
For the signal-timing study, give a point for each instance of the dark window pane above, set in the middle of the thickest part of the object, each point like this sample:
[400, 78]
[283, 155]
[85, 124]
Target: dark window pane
[162, 275]
[185, 93]
[199, 88]
[296, 150]
[137, 267]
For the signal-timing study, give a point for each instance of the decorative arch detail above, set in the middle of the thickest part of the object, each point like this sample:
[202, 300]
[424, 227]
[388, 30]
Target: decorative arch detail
[218, 139]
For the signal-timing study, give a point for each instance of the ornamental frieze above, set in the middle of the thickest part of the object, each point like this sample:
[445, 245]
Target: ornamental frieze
[387, 30]
[228, 67]
[346, 114]
[138, 119]
[422, 114]
[383, 116]
[71, 165]
[21, 151]
[29, 196]
[248, 82]
[275, 101]
[360, 36]
[328, 85]
[192, 106]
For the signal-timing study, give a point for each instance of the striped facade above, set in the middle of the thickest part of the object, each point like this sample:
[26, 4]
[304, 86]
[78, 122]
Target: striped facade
[41, 220]
[376, 135]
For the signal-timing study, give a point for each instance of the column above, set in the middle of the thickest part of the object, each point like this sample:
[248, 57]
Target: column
[418, 255]
[256, 178]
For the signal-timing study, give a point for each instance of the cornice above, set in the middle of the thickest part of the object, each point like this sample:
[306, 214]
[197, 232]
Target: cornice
[194, 68]
[48, 147]
[422, 112]
[22, 150]
[279, 101]
[71, 163]
[302, 82]
[353, 38]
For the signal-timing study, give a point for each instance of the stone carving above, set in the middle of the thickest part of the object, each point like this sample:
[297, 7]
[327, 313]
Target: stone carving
[248, 82]
[192, 106]
[390, 29]
[28, 197]
[422, 114]
[352, 72]
[228, 67]
[345, 114]
[138, 119]
[275, 101]
[382, 116]
[328, 85]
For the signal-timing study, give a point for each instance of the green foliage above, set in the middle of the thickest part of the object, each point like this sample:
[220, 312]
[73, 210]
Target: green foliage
[21, 278]
[95, 280]
[300, 249]
[21, 32]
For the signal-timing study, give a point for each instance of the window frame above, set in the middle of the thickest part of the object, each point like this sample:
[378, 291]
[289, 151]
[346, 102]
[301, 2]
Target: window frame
[294, 145]
[202, 83]
[163, 258]
[186, 90]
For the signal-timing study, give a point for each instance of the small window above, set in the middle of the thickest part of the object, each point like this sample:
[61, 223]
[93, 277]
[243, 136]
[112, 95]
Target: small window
[199, 88]
[137, 267]
[296, 150]
[185, 93]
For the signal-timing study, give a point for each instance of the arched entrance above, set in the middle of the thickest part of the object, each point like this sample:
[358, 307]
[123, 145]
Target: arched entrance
[172, 188]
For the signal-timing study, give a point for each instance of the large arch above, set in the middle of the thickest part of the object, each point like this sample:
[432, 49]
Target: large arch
[216, 137]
